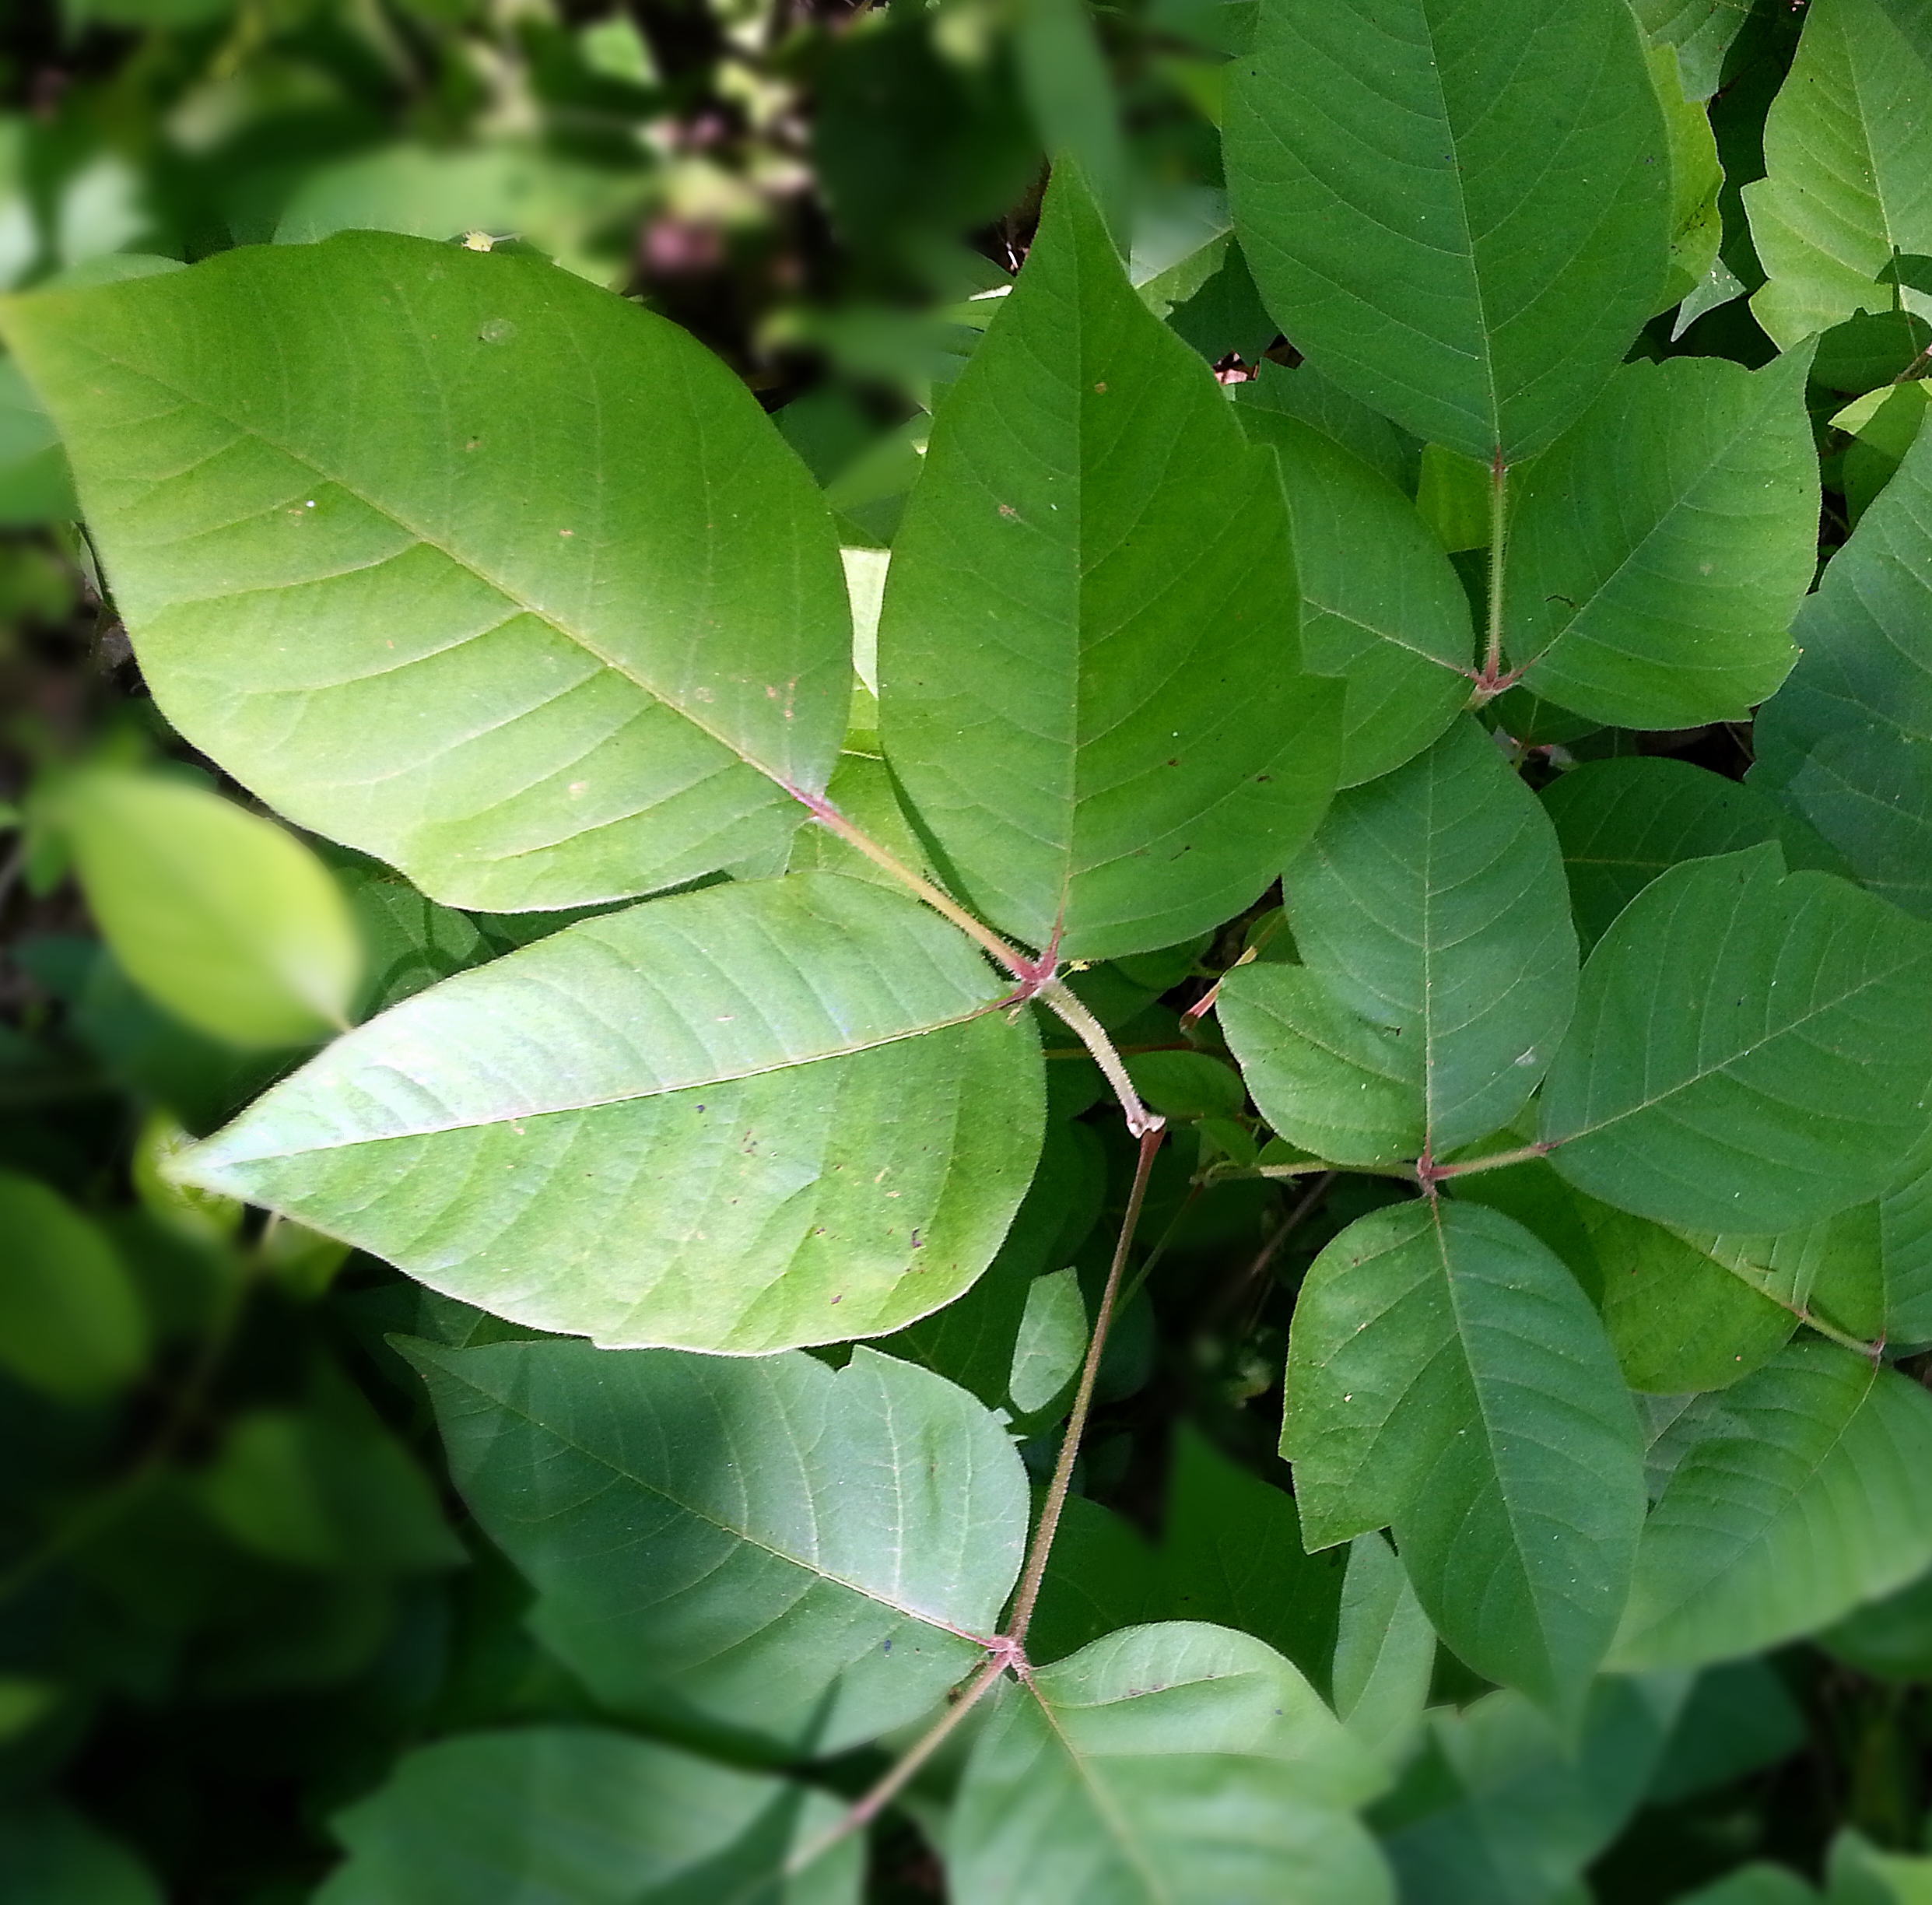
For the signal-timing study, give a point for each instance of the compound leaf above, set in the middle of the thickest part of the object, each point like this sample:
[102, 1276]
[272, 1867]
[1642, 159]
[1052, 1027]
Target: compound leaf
[457, 559]
[1089, 683]
[1792, 1496]
[1750, 1049]
[1848, 164]
[808, 1556]
[1462, 215]
[704, 1121]
[1432, 902]
[585, 1814]
[1446, 1374]
[1845, 743]
[1177, 1764]
[1662, 546]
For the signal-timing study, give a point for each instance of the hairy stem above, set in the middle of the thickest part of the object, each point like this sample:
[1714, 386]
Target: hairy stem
[1140, 1120]
[1497, 1160]
[862, 1812]
[1035, 1572]
[1498, 522]
[1026, 971]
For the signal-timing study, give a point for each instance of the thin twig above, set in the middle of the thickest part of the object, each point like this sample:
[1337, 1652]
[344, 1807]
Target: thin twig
[1147, 1269]
[1303, 1210]
[1141, 1121]
[1034, 1571]
[862, 1812]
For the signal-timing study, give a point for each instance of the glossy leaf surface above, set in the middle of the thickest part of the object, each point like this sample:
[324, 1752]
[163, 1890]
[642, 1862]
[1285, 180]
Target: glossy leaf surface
[524, 595]
[1446, 1374]
[1088, 657]
[581, 1814]
[1177, 1764]
[1660, 549]
[762, 1544]
[705, 1122]
[1801, 1492]
[1750, 1049]
[1460, 214]
[1432, 902]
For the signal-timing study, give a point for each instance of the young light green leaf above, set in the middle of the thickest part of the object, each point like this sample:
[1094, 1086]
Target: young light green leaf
[221, 916]
[705, 1122]
[70, 1324]
[1177, 1764]
[808, 1556]
[584, 1815]
[1749, 1050]
[1660, 549]
[1381, 605]
[1830, 1273]
[1051, 1341]
[1622, 822]
[1088, 661]
[1793, 1496]
[1446, 1374]
[1385, 1652]
[1343, 1087]
[1460, 215]
[1844, 743]
[457, 559]
[1432, 902]
[1848, 162]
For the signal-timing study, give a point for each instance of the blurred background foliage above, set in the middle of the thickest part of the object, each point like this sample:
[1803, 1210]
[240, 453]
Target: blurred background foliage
[234, 1585]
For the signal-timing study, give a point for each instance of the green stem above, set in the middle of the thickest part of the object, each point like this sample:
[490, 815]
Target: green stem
[1497, 1160]
[1140, 1120]
[1035, 1572]
[1499, 519]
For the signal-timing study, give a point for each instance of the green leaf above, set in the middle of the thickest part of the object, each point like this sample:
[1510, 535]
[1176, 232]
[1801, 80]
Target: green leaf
[1446, 1374]
[1844, 743]
[1501, 1808]
[473, 656]
[1697, 226]
[1791, 1497]
[1890, 1639]
[704, 1121]
[1232, 1554]
[1848, 162]
[1064, 79]
[1088, 658]
[1051, 1341]
[808, 1556]
[1460, 215]
[1381, 605]
[1453, 498]
[1831, 1271]
[1857, 1873]
[70, 1322]
[1367, 435]
[1759, 1883]
[221, 916]
[1677, 1319]
[1659, 550]
[1341, 1086]
[1187, 1084]
[52, 1856]
[1702, 32]
[36, 486]
[1432, 902]
[1738, 1719]
[586, 1815]
[1905, 1230]
[1622, 822]
[1178, 1764]
[1749, 1052]
[1385, 1651]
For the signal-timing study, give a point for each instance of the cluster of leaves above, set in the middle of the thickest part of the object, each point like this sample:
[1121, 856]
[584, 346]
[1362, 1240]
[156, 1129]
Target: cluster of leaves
[826, 974]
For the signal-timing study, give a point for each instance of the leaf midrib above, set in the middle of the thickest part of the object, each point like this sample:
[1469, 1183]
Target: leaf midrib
[710, 1521]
